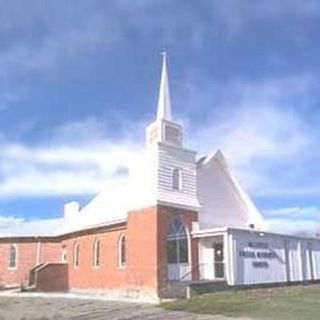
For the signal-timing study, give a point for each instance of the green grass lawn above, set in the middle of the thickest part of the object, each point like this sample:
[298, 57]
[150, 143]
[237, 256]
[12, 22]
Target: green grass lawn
[287, 303]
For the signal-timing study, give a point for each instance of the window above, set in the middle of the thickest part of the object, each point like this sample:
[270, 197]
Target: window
[64, 256]
[172, 134]
[122, 251]
[96, 253]
[13, 253]
[176, 179]
[76, 255]
[177, 243]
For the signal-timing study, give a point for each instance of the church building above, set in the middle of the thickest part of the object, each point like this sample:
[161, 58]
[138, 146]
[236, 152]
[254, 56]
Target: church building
[178, 219]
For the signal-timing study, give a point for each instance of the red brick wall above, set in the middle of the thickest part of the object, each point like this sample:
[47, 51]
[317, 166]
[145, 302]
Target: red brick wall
[147, 240]
[26, 259]
[141, 269]
[108, 275]
[146, 246]
[50, 252]
[165, 216]
[142, 242]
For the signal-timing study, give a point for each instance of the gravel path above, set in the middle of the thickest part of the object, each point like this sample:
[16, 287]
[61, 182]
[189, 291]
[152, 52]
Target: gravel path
[53, 308]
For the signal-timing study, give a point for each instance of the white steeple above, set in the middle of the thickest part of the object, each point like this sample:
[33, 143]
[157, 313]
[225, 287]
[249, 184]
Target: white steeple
[164, 103]
[164, 129]
[170, 169]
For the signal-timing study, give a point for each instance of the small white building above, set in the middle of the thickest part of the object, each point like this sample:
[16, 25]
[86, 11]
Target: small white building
[249, 257]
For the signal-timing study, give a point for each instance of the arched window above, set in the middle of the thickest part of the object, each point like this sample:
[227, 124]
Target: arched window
[176, 179]
[76, 255]
[96, 253]
[13, 256]
[177, 243]
[122, 251]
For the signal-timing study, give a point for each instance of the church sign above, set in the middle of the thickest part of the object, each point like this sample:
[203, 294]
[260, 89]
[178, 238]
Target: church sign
[257, 254]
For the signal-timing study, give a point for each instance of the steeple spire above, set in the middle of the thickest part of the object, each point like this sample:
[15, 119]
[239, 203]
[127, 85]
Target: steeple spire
[164, 103]
[163, 130]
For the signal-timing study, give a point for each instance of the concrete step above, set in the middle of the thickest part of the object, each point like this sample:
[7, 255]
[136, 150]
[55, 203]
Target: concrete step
[187, 289]
[200, 287]
[27, 288]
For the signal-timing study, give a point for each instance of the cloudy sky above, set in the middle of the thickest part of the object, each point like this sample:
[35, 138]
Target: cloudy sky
[79, 81]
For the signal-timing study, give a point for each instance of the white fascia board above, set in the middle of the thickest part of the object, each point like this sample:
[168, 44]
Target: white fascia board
[219, 231]
[209, 232]
[160, 144]
[165, 203]
[268, 233]
[206, 158]
[178, 205]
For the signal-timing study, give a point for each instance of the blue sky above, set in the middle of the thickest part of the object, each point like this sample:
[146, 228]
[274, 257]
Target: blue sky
[79, 81]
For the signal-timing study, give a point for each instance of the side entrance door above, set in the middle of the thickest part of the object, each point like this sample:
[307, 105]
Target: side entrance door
[218, 260]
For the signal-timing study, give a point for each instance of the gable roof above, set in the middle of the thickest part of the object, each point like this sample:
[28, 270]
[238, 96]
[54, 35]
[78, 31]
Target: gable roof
[218, 158]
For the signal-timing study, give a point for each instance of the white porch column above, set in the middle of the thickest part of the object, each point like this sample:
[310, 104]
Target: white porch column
[301, 268]
[226, 258]
[230, 262]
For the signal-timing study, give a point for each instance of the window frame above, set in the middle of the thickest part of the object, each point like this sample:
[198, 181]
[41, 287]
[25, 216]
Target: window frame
[15, 266]
[76, 255]
[122, 251]
[96, 253]
[178, 243]
[176, 179]
[64, 255]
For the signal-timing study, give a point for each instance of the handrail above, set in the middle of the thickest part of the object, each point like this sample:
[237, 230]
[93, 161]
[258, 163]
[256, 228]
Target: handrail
[198, 265]
[32, 273]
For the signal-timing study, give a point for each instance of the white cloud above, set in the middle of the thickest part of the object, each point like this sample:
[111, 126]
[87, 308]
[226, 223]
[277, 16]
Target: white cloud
[294, 227]
[262, 132]
[294, 220]
[13, 225]
[83, 166]
[250, 122]
[7, 221]
[294, 213]
[63, 170]
[268, 144]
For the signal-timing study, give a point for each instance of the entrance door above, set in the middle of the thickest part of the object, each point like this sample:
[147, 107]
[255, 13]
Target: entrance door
[218, 260]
